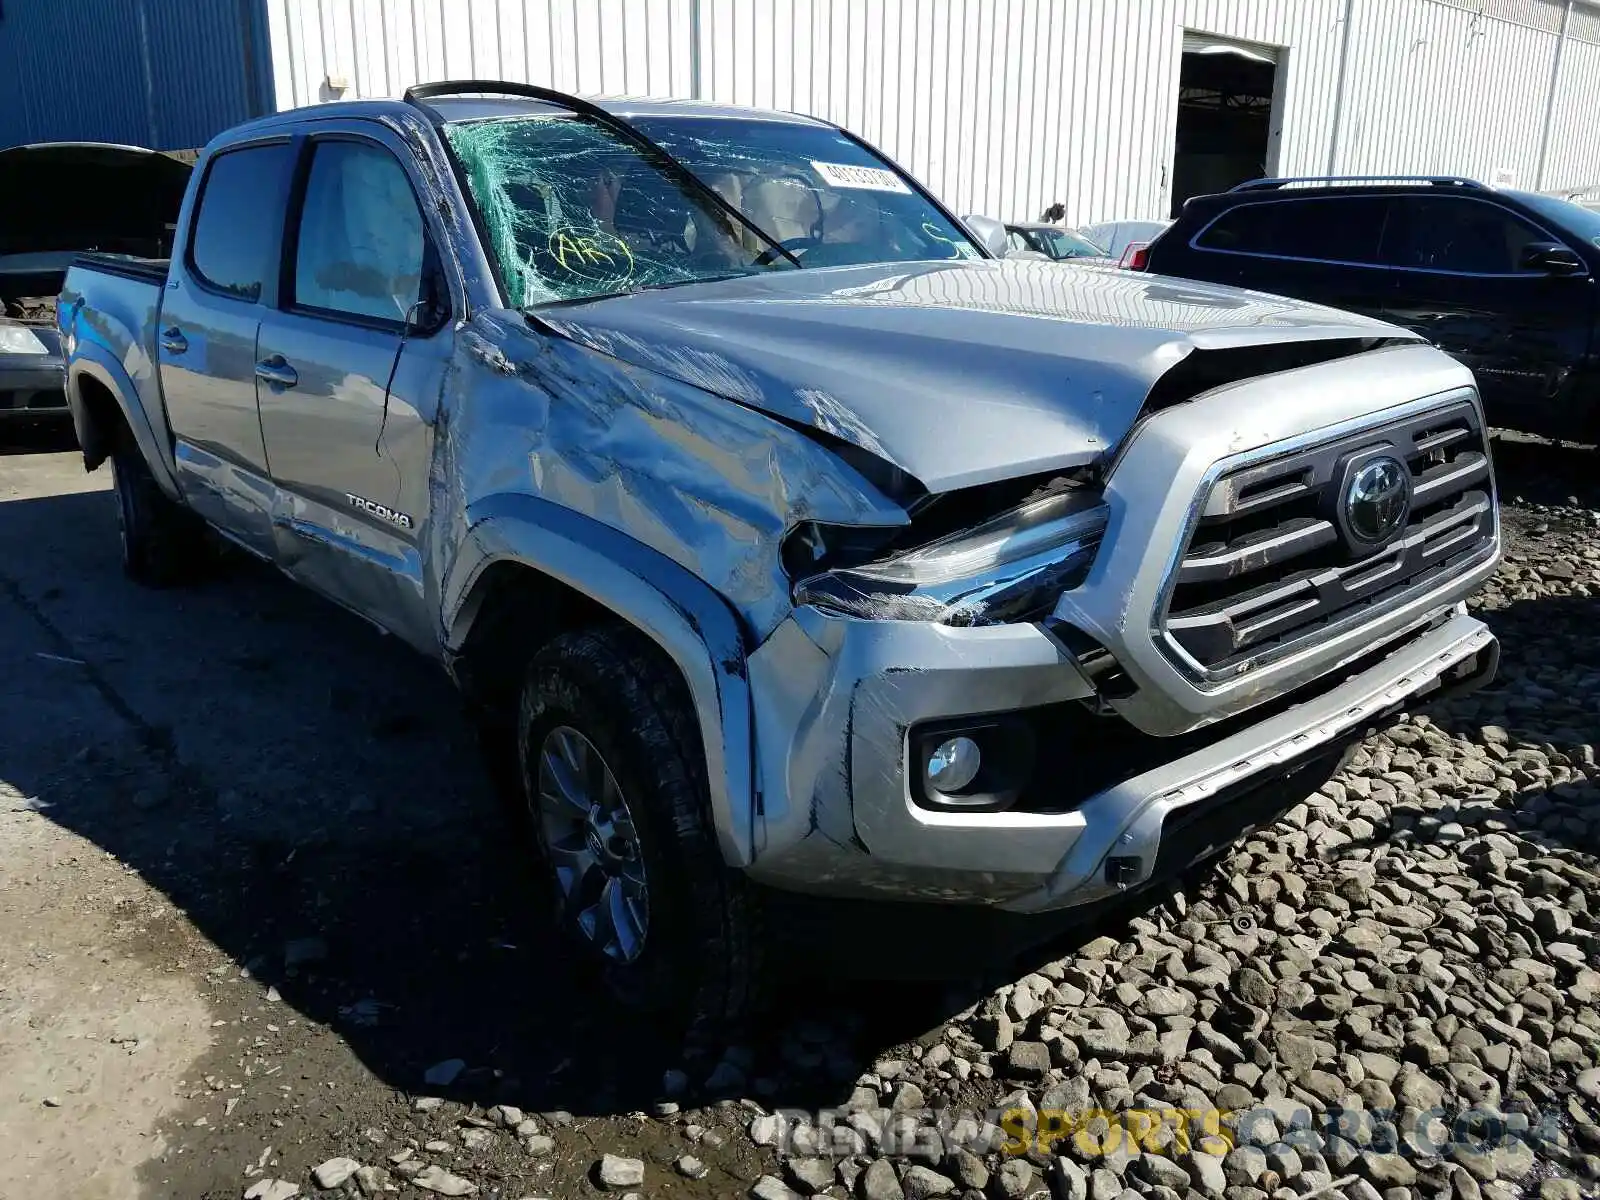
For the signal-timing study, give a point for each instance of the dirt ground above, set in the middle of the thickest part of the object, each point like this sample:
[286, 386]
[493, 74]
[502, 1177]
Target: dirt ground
[253, 885]
[245, 838]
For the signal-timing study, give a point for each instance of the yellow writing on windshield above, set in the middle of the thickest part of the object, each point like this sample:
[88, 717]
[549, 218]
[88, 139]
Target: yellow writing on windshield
[592, 254]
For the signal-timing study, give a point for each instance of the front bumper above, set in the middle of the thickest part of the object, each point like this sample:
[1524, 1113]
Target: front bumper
[33, 385]
[860, 833]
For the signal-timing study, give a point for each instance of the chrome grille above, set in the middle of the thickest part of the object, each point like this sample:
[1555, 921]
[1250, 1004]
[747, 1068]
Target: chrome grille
[1267, 565]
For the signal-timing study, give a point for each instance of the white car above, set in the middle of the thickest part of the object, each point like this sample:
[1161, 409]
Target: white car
[1117, 236]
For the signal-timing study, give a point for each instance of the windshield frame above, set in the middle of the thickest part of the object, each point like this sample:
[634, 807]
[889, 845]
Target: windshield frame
[649, 150]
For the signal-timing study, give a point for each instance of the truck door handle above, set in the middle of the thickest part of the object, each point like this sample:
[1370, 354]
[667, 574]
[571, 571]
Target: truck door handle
[173, 341]
[277, 370]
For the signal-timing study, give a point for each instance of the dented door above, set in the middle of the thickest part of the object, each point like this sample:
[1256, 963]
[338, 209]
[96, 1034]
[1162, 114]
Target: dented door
[220, 288]
[351, 365]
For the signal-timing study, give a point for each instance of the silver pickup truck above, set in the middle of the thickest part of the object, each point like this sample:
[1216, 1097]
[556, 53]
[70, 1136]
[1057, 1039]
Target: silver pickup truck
[792, 541]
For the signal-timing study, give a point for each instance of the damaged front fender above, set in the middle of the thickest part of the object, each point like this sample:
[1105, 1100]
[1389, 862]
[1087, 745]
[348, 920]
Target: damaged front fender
[704, 482]
[661, 503]
[683, 616]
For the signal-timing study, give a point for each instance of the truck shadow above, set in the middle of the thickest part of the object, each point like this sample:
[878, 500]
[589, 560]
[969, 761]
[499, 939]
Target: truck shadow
[308, 794]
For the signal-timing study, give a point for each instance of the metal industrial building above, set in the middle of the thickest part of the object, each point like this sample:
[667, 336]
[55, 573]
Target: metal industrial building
[1114, 108]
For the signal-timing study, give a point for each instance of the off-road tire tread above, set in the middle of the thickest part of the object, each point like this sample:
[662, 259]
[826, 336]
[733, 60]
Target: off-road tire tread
[622, 671]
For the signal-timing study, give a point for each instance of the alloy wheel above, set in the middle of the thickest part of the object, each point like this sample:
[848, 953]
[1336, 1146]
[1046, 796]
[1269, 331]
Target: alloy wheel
[593, 845]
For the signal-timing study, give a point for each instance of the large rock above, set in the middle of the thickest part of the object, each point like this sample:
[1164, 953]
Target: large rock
[769, 1187]
[1245, 1165]
[440, 1182]
[334, 1172]
[1071, 1181]
[809, 1175]
[878, 1182]
[1297, 1053]
[994, 1031]
[967, 1169]
[1416, 1090]
[1159, 1171]
[1387, 1170]
[924, 1183]
[618, 1174]
[1589, 1083]
[1206, 1173]
[1165, 1002]
[1012, 1181]
[1028, 1060]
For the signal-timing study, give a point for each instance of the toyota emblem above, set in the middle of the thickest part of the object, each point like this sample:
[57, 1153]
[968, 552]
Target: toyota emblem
[1377, 500]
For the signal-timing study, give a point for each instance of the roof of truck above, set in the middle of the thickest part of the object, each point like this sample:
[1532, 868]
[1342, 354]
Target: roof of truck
[489, 106]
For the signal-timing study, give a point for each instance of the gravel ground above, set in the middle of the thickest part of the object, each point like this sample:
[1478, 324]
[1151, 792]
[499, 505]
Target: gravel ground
[1394, 991]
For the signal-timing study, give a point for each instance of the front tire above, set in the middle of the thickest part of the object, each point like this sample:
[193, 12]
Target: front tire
[613, 778]
[163, 543]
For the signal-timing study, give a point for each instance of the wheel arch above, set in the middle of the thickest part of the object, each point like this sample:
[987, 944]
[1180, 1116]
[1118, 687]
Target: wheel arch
[523, 551]
[102, 415]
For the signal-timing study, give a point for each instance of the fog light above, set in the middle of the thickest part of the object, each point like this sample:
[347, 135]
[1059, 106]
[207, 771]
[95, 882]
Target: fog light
[953, 764]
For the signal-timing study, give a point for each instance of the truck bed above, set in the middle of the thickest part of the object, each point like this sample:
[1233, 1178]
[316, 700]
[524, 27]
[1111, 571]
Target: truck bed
[123, 293]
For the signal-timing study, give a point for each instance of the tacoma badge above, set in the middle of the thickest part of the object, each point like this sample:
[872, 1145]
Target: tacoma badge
[381, 511]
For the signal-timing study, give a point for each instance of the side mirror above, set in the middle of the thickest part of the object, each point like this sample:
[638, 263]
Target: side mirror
[1552, 258]
[991, 233]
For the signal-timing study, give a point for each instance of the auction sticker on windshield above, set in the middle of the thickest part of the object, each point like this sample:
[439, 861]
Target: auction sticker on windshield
[873, 179]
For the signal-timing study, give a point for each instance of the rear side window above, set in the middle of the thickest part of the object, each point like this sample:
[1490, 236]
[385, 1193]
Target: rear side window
[360, 246]
[241, 212]
[1449, 233]
[1344, 229]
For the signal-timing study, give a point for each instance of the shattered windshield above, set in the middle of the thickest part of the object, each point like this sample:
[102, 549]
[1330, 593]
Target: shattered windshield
[574, 210]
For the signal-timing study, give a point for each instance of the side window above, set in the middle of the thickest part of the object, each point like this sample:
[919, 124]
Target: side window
[360, 245]
[1454, 233]
[240, 214]
[1018, 242]
[1342, 229]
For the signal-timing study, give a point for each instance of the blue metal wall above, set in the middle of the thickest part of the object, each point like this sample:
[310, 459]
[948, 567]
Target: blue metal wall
[167, 74]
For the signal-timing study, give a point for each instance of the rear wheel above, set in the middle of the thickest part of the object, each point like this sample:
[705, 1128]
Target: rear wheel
[162, 543]
[613, 779]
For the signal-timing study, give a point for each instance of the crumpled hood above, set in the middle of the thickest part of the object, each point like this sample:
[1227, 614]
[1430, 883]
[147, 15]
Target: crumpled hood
[88, 196]
[958, 373]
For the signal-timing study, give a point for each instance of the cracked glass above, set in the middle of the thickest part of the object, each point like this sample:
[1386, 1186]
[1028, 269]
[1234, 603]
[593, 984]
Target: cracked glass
[573, 210]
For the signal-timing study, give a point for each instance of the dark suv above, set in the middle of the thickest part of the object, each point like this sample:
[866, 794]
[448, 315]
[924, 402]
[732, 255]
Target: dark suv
[1503, 280]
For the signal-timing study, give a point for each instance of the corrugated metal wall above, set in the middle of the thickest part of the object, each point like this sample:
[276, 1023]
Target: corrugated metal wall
[1441, 87]
[1574, 131]
[1005, 106]
[161, 73]
[380, 47]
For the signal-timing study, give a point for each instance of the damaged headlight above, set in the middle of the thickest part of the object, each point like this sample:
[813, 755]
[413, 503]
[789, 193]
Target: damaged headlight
[1010, 568]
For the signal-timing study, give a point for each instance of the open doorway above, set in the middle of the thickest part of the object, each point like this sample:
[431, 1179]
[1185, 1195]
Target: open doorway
[1227, 94]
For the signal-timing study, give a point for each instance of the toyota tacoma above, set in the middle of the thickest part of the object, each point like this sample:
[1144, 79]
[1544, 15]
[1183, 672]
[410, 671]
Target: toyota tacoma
[791, 540]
